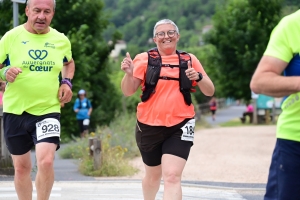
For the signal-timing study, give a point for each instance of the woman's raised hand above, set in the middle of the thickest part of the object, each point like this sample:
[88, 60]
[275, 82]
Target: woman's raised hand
[127, 64]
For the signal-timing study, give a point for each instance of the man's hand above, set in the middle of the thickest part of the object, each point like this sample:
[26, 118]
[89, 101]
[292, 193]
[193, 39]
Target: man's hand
[12, 73]
[65, 93]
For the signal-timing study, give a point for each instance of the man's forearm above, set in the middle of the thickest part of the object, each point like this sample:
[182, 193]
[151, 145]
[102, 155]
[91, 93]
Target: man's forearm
[276, 86]
[68, 70]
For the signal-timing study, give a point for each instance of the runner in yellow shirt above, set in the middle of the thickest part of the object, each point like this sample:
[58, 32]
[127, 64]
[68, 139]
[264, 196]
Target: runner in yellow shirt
[278, 75]
[32, 56]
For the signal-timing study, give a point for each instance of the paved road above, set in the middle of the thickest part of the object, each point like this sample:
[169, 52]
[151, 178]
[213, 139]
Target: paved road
[227, 114]
[131, 190]
[71, 185]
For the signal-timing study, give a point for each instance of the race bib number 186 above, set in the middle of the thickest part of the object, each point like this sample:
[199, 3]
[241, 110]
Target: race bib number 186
[188, 131]
[48, 127]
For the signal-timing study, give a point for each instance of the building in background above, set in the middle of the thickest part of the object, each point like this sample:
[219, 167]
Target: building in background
[120, 45]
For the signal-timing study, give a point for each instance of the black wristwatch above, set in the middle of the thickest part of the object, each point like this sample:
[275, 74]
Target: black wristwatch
[200, 77]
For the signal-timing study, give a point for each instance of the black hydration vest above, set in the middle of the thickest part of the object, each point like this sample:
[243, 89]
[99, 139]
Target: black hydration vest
[153, 74]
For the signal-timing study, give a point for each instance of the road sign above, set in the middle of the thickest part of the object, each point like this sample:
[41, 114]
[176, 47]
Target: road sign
[266, 102]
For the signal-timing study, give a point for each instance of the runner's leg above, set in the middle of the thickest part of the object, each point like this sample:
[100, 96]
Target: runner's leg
[172, 167]
[151, 181]
[22, 179]
[45, 173]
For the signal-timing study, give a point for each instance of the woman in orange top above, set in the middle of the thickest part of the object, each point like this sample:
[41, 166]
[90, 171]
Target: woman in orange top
[165, 122]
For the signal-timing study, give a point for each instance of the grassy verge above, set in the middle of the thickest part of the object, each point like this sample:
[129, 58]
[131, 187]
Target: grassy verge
[235, 122]
[113, 161]
[202, 123]
[118, 146]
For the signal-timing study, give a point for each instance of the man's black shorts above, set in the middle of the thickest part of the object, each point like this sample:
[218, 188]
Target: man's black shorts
[20, 131]
[154, 141]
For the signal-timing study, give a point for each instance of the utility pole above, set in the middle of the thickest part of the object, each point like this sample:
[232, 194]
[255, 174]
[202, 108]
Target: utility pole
[16, 11]
[254, 99]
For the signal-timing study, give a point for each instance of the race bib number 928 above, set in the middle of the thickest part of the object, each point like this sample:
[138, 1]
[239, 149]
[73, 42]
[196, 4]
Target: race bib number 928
[48, 127]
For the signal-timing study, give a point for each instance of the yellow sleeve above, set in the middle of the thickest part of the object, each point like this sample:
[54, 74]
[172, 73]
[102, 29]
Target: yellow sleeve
[278, 45]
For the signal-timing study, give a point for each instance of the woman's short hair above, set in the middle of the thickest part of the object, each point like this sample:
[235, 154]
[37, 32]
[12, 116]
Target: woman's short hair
[165, 21]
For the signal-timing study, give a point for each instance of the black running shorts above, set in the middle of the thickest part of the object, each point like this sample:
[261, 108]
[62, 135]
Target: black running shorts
[154, 141]
[20, 131]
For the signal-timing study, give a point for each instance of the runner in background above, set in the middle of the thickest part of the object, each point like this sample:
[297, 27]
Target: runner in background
[213, 108]
[83, 109]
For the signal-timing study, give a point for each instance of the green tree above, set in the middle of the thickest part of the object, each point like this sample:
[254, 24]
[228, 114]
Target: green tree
[84, 23]
[290, 6]
[5, 17]
[292, 2]
[240, 34]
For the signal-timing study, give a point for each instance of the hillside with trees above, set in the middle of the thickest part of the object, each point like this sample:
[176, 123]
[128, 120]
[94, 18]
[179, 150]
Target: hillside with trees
[135, 20]
[229, 53]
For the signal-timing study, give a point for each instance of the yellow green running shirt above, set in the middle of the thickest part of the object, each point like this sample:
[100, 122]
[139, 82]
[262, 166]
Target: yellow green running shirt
[41, 59]
[285, 45]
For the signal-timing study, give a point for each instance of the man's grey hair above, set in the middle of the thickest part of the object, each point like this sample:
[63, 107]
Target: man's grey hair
[54, 4]
[165, 21]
